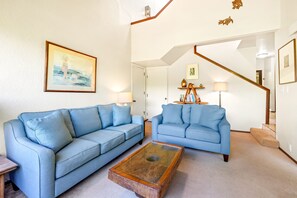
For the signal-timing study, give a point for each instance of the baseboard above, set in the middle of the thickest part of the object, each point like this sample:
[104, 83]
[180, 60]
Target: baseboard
[288, 155]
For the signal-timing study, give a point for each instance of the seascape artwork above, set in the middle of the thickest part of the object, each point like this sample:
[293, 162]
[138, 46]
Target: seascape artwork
[65, 72]
[69, 71]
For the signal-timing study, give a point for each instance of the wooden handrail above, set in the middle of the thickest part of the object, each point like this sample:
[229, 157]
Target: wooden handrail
[243, 78]
[153, 17]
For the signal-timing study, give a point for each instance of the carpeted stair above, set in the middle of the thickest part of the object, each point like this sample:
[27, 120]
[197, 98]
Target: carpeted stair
[264, 138]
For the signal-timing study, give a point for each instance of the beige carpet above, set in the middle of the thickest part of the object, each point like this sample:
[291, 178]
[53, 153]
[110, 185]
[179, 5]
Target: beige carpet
[252, 171]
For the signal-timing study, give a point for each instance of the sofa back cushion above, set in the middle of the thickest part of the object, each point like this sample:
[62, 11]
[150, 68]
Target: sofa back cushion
[24, 117]
[51, 131]
[106, 115]
[196, 111]
[172, 114]
[211, 116]
[85, 120]
[186, 113]
[121, 115]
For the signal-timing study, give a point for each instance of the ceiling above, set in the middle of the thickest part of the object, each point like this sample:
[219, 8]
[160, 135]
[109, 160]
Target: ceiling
[263, 42]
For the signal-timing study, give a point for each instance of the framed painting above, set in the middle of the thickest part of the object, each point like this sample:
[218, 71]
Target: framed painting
[192, 71]
[287, 63]
[68, 70]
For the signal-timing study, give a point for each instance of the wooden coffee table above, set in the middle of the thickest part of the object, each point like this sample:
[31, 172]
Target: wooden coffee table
[148, 171]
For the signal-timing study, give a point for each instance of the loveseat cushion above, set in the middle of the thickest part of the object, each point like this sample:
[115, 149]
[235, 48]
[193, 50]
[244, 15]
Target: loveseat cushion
[201, 133]
[130, 130]
[121, 115]
[196, 111]
[211, 116]
[51, 131]
[186, 113]
[24, 117]
[105, 112]
[85, 120]
[177, 130]
[107, 139]
[172, 114]
[74, 155]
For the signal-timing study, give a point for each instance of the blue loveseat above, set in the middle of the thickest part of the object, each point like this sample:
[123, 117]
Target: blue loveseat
[195, 126]
[57, 149]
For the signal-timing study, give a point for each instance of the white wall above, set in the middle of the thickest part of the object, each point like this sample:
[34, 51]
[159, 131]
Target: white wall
[242, 61]
[269, 82]
[196, 21]
[244, 103]
[135, 8]
[92, 27]
[286, 108]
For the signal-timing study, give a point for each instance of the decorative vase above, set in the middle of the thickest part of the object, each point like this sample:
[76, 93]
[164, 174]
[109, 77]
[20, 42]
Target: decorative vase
[184, 83]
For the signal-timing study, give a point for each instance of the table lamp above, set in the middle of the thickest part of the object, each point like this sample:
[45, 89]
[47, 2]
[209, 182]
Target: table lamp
[220, 86]
[124, 98]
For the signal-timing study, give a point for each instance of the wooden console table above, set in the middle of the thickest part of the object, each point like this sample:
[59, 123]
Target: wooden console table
[5, 167]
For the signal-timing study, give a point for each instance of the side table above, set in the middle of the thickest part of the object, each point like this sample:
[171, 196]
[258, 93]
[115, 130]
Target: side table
[5, 167]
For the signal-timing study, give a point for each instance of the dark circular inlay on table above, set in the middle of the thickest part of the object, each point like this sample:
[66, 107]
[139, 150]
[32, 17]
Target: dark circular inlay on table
[153, 158]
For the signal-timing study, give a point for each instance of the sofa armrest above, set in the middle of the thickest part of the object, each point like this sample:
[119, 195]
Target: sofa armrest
[35, 174]
[156, 120]
[224, 129]
[137, 119]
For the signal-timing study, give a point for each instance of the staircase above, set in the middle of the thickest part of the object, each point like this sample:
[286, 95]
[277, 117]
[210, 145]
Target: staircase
[266, 136]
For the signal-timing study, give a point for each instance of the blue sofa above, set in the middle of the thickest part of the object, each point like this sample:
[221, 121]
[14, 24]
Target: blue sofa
[57, 149]
[195, 126]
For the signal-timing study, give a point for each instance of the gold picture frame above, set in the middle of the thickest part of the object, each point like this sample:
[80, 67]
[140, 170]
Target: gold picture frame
[68, 70]
[192, 72]
[287, 63]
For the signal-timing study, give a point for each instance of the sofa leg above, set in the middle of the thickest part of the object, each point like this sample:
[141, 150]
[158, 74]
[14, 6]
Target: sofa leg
[140, 142]
[14, 187]
[226, 158]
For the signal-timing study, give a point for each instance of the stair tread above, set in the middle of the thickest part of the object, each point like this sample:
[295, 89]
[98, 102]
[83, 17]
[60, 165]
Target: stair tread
[263, 138]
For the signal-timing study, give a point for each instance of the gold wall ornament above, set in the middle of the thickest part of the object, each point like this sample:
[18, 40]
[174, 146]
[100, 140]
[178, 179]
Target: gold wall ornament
[226, 21]
[237, 4]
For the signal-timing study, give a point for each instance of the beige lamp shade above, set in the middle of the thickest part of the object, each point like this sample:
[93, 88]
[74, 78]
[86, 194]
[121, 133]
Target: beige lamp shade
[220, 86]
[125, 97]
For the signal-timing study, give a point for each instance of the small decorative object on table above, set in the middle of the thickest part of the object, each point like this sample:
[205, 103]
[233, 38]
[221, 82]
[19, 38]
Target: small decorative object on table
[183, 83]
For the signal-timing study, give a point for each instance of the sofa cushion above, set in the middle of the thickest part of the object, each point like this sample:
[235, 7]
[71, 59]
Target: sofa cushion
[24, 117]
[107, 139]
[196, 112]
[85, 120]
[130, 130]
[51, 131]
[186, 113]
[121, 115]
[105, 112]
[74, 155]
[177, 130]
[172, 114]
[201, 133]
[211, 116]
